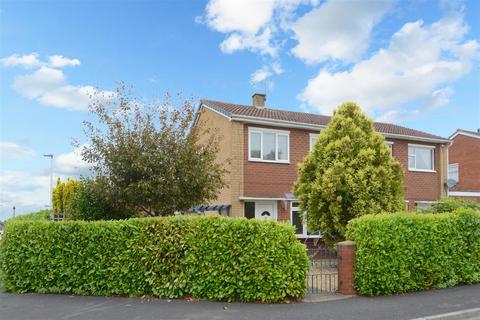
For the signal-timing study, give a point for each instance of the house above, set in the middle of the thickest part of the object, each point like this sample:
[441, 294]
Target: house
[265, 145]
[464, 164]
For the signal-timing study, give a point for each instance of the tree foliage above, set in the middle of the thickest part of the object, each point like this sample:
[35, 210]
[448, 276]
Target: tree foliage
[349, 173]
[90, 203]
[148, 155]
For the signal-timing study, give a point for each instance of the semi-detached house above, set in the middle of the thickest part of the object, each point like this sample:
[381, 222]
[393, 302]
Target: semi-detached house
[264, 147]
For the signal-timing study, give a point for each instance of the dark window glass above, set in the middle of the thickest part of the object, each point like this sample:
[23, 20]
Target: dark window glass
[249, 210]
[297, 222]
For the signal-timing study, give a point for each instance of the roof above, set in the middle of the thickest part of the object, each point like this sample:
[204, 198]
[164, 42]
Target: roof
[306, 120]
[473, 134]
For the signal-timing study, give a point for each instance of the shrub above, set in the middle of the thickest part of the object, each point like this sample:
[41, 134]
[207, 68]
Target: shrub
[408, 252]
[88, 202]
[350, 172]
[449, 204]
[205, 257]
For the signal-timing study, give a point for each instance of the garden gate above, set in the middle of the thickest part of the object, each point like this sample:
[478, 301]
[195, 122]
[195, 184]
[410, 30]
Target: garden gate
[323, 274]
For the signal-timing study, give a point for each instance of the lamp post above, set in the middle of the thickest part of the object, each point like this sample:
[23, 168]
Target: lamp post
[51, 178]
[14, 211]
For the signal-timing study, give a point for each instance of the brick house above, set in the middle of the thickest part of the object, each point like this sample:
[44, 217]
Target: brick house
[464, 164]
[265, 145]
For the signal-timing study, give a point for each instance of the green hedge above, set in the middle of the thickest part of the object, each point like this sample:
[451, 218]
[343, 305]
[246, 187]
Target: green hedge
[205, 257]
[407, 252]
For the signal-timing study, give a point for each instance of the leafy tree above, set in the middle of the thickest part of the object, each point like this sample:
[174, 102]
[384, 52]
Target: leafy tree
[148, 155]
[70, 188]
[89, 202]
[349, 173]
[57, 197]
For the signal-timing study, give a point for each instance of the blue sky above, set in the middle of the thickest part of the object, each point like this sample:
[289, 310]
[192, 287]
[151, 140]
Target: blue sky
[415, 63]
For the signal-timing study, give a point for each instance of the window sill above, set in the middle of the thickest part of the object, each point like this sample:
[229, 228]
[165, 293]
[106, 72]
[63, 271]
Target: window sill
[420, 170]
[304, 236]
[269, 161]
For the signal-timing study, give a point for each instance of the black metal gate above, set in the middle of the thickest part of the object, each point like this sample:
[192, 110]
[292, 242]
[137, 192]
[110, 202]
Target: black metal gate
[323, 274]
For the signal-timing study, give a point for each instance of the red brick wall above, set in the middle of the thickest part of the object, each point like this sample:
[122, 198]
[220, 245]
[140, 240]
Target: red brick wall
[263, 179]
[466, 152]
[419, 186]
[274, 179]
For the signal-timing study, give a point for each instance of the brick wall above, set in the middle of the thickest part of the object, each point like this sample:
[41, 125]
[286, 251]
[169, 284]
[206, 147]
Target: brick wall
[275, 179]
[466, 152]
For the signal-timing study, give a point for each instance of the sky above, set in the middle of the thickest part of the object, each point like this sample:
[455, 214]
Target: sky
[413, 63]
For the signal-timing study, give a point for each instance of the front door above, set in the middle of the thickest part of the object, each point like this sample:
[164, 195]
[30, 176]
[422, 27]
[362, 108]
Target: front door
[265, 210]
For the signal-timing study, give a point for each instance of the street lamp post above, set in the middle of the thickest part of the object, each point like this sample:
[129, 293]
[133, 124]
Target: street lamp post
[51, 178]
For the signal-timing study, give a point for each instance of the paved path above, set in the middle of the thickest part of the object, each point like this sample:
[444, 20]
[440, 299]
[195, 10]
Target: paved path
[409, 306]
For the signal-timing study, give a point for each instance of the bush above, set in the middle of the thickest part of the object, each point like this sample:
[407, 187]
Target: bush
[407, 252]
[448, 204]
[88, 202]
[205, 257]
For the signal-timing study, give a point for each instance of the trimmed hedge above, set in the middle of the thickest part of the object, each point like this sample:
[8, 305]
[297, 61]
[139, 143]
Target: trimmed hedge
[205, 257]
[408, 252]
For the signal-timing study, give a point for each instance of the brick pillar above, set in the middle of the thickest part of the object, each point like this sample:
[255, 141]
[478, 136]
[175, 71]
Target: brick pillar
[346, 271]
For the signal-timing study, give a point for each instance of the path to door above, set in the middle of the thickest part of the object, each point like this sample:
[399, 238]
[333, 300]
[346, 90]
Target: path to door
[410, 306]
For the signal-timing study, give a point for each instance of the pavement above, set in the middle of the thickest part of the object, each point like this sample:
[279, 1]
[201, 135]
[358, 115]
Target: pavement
[461, 302]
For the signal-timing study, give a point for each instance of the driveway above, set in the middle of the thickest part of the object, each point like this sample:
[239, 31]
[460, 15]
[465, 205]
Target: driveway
[408, 306]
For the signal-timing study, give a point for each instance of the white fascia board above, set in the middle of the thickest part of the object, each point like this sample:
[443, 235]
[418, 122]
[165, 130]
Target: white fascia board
[468, 134]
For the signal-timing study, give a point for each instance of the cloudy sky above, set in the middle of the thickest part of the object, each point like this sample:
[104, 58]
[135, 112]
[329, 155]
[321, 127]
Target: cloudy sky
[415, 63]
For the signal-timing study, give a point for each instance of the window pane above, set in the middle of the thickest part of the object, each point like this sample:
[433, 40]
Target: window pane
[411, 151]
[453, 171]
[411, 162]
[269, 146]
[297, 222]
[313, 139]
[423, 159]
[255, 146]
[282, 147]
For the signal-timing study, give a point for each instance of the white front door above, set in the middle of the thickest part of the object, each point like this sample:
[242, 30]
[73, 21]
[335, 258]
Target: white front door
[266, 210]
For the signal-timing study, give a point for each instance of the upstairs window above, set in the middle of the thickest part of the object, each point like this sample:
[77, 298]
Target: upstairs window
[268, 145]
[390, 146]
[420, 158]
[453, 172]
[313, 139]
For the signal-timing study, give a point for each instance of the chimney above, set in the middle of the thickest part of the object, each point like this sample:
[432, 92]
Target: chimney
[259, 99]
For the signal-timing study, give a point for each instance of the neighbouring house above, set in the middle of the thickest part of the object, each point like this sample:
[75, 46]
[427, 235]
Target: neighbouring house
[265, 145]
[464, 164]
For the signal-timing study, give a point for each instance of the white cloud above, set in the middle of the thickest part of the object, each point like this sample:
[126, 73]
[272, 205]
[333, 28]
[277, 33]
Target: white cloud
[27, 60]
[71, 164]
[418, 60]
[50, 88]
[58, 61]
[25, 191]
[69, 97]
[248, 24]
[264, 73]
[31, 60]
[14, 151]
[337, 30]
[35, 84]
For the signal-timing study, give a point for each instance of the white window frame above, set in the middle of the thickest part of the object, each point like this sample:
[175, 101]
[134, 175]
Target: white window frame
[421, 146]
[304, 233]
[390, 146]
[458, 171]
[313, 136]
[277, 133]
[428, 202]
